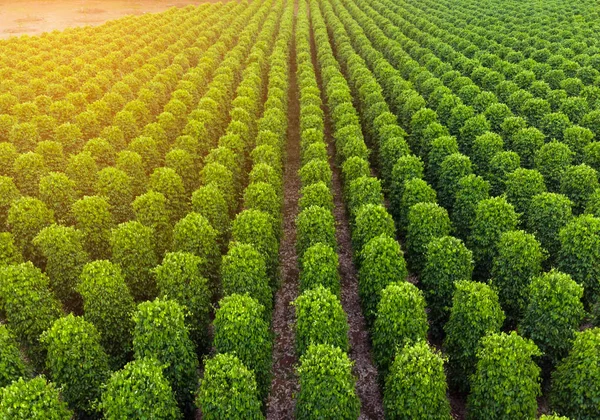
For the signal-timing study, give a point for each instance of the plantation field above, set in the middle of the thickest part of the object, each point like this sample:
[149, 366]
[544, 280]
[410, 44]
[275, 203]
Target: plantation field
[311, 209]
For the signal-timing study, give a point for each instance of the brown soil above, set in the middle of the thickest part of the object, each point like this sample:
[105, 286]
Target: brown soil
[32, 17]
[284, 386]
[367, 386]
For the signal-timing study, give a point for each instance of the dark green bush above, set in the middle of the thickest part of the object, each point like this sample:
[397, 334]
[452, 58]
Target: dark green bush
[244, 272]
[447, 261]
[548, 214]
[76, 361]
[579, 254]
[34, 399]
[526, 142]
[160, 333]
[521, 186]
[13, 366]
[553, 125]
[31, 311]
[440, 148]
[254, 228]
[317, 194]
[470, 191]
[405, 168]
[240, 328]
[453, 168]
[62, 248]
[578, 139]
[507, 382]
[320, 319]
[575, 382]
[501, 165]
[416, 385]
[371, 221]
[327, 386]
[108, 304]
[139, 390]
[475, 312]
[400, 320]
[179, 278]
[416, 191]
[592, 155]
[579, 183]
[493, 217]
[553, 314]
[361, 191]
[319, 267]
[426, 221]
[518, 260]
[26, 218]
[93, 218]
[133, 250]
[484, 149]
[151, 210]
[228, 390]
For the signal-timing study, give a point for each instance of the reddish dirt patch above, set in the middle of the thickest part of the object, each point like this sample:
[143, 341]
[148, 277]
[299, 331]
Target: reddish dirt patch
[284, 386]
[20, 17]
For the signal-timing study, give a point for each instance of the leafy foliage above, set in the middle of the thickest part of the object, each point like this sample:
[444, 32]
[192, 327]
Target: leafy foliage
[33, 399]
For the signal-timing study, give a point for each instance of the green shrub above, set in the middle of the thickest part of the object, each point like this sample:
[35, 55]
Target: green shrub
[240, 328]
[244, 271]
[320, 319]
[526, 142]
[470, 191]
[501, 165]
[552, 160]
[228, 390]
[575, 382]
[133, 251]
[470, 130]
[553, 314]
[13, 366]
[115, 185]
[447, 261]
[484, 149]
[475, 312]
[319, 266]
[400, 320]
[426, 221]
[361, 191]
[416, 385]
[254, 227]
[70, 341]
[8, 194]
[209, 201]
[31, 311]
[415, 191]
[151, 211]
[553, 417]
[578, 139]
[382, 263]
[548, 214]
[52, 155]
[58, 192]
[108, 305]
[507, 382]
[314, 151]
[139, 390]
[579, 183]
[26, 218]
[28, 169]
[34, 399]
[592, 155]
[315, 225]
[93, 218]
[553, 125]
[184, 164]
[179, 278]
[195, 235]
[62, 247]
[82, 169]
[518, 260]
[327, 386]
[453, 168]
[131, 163]
[9, 154]
[405, 168]
[355, 167]
[160, 333]
[317, 170]
[493, 217]
[440, 149]
[9, 254]
[521, 186]
[167, 182]
[579, 253]
[317, 194]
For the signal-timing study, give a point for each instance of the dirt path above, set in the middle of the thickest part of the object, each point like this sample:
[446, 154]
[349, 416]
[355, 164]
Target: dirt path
[284, 386]
[360, 347]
